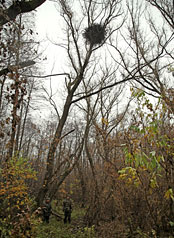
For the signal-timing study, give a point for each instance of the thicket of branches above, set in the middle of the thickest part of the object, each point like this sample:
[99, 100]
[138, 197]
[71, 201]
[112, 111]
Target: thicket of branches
[111, 144]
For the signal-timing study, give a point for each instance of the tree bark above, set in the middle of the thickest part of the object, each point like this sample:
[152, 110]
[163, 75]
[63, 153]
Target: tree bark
[18, 8]
[25, 116]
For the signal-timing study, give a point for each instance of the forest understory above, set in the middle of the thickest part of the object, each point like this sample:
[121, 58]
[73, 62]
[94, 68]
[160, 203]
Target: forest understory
[79, 229]
[98, 125]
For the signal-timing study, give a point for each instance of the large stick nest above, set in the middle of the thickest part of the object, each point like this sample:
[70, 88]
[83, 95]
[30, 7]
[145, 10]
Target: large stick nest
[95, 34]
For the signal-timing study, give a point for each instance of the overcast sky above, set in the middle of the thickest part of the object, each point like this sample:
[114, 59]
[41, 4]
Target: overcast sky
[48, 26]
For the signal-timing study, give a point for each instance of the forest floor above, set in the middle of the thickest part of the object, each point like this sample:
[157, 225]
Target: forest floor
[77, 229]
[57, 228]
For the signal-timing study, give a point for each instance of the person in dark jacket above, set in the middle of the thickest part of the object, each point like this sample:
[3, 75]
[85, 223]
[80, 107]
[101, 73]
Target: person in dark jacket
[67, 209]
[46, 210]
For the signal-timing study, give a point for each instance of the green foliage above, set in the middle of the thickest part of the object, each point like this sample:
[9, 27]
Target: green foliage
[57, 229]
[130, 175]
[149, 162]
[148, 134]
[89, 232]
[169, 194]
[16, 218]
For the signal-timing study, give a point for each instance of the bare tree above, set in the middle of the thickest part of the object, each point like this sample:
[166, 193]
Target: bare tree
[147, 53]
[15, 59]
[166, 8]
[80, 59]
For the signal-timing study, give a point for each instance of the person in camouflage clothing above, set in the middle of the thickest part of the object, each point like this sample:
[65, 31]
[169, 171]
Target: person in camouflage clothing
[46, 210]
[67, 209]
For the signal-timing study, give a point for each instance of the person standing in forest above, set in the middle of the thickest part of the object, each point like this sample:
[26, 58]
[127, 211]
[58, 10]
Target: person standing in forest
[67, 209]
[46, 210]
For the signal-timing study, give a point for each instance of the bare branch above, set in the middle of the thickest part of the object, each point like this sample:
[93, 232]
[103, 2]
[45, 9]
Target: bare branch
[19, 66]
[45, 76]
[17, 8]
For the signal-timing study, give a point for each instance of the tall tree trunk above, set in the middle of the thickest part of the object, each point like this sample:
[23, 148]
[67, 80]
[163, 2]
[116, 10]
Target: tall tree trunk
[82, 183]
[18, 129]
[26, 114]
[51, 153]
[1, 93]
[15, 118]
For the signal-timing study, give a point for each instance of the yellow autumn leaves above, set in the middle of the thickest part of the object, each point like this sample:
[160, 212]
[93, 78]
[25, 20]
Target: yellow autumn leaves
[14, 196]
[14, 174]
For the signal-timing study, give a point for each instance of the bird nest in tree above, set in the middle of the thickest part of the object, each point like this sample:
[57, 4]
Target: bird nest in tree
[95, 34]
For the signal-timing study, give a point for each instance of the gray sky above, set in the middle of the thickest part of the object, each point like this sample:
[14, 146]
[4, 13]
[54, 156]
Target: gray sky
[48, 26]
